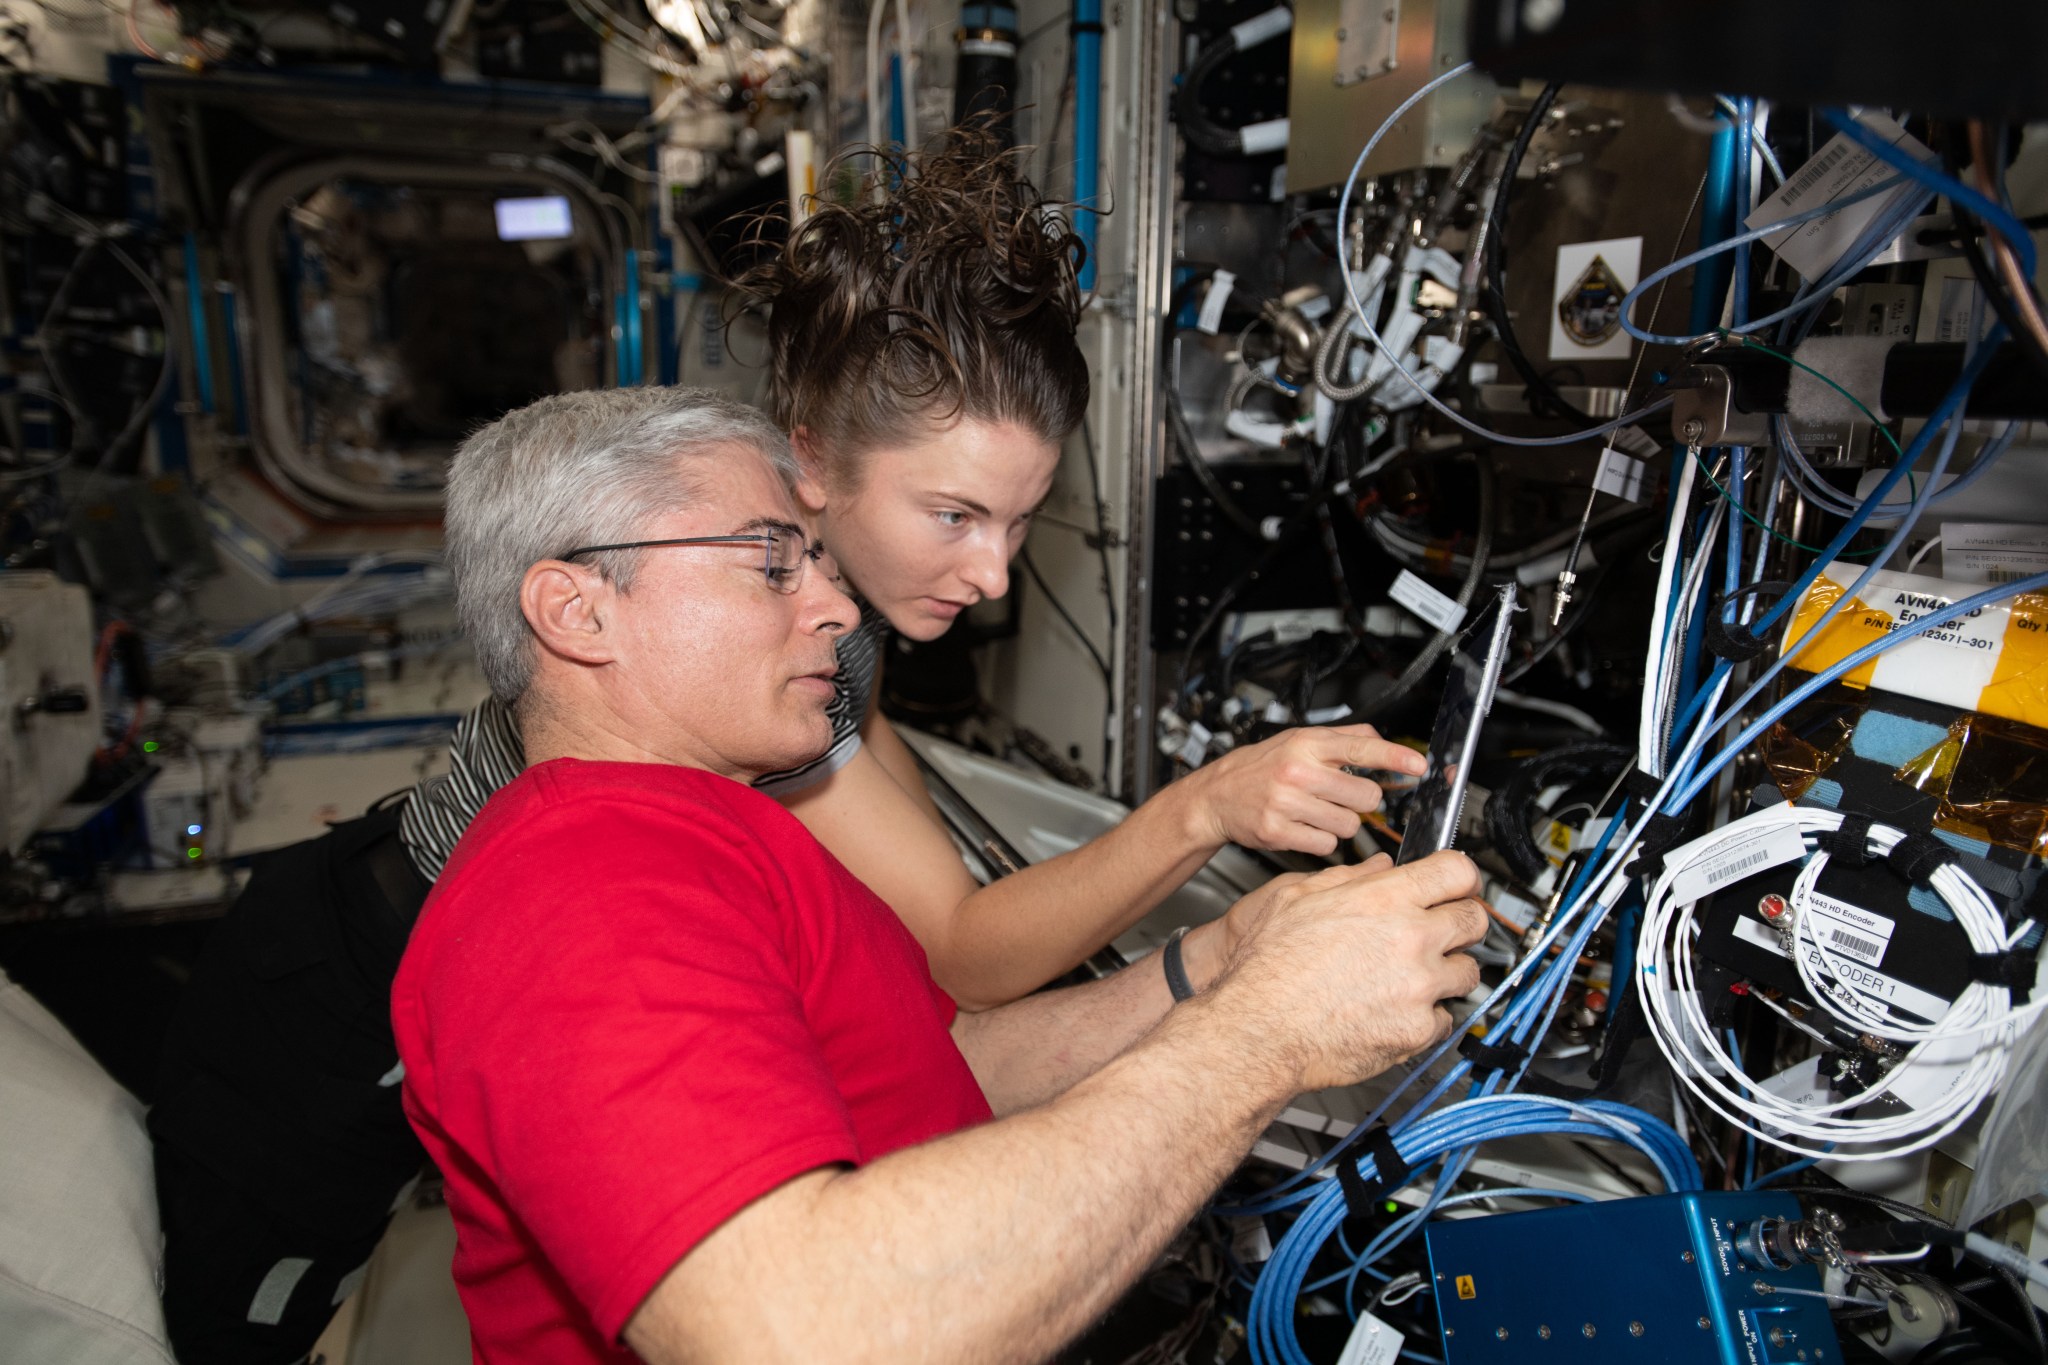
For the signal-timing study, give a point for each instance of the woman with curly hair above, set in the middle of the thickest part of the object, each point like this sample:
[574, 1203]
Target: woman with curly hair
[924, 360]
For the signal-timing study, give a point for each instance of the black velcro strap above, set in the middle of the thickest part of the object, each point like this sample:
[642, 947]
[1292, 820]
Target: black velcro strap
[1737, 643]
[1919, 856]
[2013, 970]
[1486, 1056]
[1390, 1172]
[2035, 906]
[1849, 844]
[1641, 785]
[1734, 643]
[1660, 836]
[1086, 27]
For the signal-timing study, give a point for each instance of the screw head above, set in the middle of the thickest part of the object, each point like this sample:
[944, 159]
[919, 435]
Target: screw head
[1500, 1333]
[1635, 1329]
[1688, 1258]
[1705, 1324]
[1544, 1331]
[1587, 1330]
[1773, 907]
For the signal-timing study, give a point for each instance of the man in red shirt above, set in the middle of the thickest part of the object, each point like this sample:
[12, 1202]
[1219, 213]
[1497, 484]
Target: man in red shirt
[694, 1093]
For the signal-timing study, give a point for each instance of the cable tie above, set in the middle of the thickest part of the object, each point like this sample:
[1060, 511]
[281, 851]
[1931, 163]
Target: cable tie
[1486, 1056]
[1390, 1172]
[2012, 969]
[1919, 856]
[1641, 785]
[1849, 844]
[1660, 835]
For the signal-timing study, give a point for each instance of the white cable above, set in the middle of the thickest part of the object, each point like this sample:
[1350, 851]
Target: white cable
[1982, 1016]
[909, 84]
[1664, 630]
[875, 9]
[1977, 1244]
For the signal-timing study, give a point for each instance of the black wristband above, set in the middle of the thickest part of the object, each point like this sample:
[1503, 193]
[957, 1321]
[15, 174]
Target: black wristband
[1176, 973]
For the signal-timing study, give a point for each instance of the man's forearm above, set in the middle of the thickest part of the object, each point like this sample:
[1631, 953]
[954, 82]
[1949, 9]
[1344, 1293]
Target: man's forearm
[993, 1245]
[1028, 1052]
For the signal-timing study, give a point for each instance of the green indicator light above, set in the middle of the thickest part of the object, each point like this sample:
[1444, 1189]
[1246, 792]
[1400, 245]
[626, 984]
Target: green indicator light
[191, 853]
[150, 746]
[1393, 1207]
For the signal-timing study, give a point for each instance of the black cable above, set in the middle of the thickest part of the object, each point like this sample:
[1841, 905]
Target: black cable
[1101, 528]
[1195, 127]
[1542, 391]
[1510, 811]
[1108, 678]
[1482, 547]
[1108, 591]
[1971, 235]
[1191, 456]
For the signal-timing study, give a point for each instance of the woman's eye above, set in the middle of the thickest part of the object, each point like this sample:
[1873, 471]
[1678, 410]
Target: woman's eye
[950, 518]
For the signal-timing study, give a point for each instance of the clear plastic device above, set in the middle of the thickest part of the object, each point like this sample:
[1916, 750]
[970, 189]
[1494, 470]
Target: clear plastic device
[1476, 662]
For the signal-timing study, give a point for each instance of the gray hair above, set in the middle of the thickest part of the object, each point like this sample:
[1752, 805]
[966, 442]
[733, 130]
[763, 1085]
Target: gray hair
[584, 468]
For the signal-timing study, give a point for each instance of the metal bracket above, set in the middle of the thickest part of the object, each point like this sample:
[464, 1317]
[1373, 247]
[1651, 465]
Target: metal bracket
[1368, 39]
[1703, 411]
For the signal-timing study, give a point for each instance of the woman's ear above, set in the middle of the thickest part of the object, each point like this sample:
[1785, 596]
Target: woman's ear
[810, 477]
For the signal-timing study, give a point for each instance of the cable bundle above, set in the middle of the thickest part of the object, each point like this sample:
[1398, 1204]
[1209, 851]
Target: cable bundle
[1456, 1130]
[1977, 1031]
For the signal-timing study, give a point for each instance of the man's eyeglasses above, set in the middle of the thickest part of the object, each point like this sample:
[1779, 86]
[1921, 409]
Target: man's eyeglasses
[787, 554]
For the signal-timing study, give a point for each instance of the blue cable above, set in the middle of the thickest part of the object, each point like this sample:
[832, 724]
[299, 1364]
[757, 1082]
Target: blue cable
[1727, 244]
[1789, 1168]
[1462, 1126]
[1930, 174]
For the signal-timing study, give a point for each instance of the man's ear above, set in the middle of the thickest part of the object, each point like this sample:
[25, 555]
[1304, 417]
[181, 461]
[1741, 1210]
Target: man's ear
[566, 605]
[810, 477]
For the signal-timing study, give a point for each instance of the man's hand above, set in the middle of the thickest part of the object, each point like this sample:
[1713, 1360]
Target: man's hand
[1292, 791]
[1345, 970]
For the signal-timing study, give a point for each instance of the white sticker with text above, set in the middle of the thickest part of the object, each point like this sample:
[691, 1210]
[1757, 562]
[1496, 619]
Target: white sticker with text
[1372, 1342]
[1432, 606]
[1720, 858]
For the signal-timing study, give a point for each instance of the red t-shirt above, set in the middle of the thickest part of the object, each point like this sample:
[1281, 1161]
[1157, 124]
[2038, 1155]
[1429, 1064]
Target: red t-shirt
[639, 998]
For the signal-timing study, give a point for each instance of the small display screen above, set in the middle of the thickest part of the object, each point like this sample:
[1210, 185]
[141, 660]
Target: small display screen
[544, 218]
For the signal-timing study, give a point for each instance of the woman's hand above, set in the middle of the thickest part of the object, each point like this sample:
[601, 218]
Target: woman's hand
[1292, 791]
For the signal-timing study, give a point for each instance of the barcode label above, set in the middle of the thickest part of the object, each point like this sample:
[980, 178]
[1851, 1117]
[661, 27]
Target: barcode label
[1840, 170]
[1727, 856]
[1845, 929]
[1831, 156]
[1728, 872]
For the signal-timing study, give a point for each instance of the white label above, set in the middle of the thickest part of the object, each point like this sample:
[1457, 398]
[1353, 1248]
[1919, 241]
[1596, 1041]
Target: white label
[1328, 715]
[1259, 28]
[1196, 747]
[1372, 1342]
[1992, 552]
[1721, 858]
[1845, 929]
[1213, 302]
[1924, 1006]
[1426, 602]
[1585, 299]
[1249, 1241]
[1277, 713]
[1838, 170]
[1619, 474]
